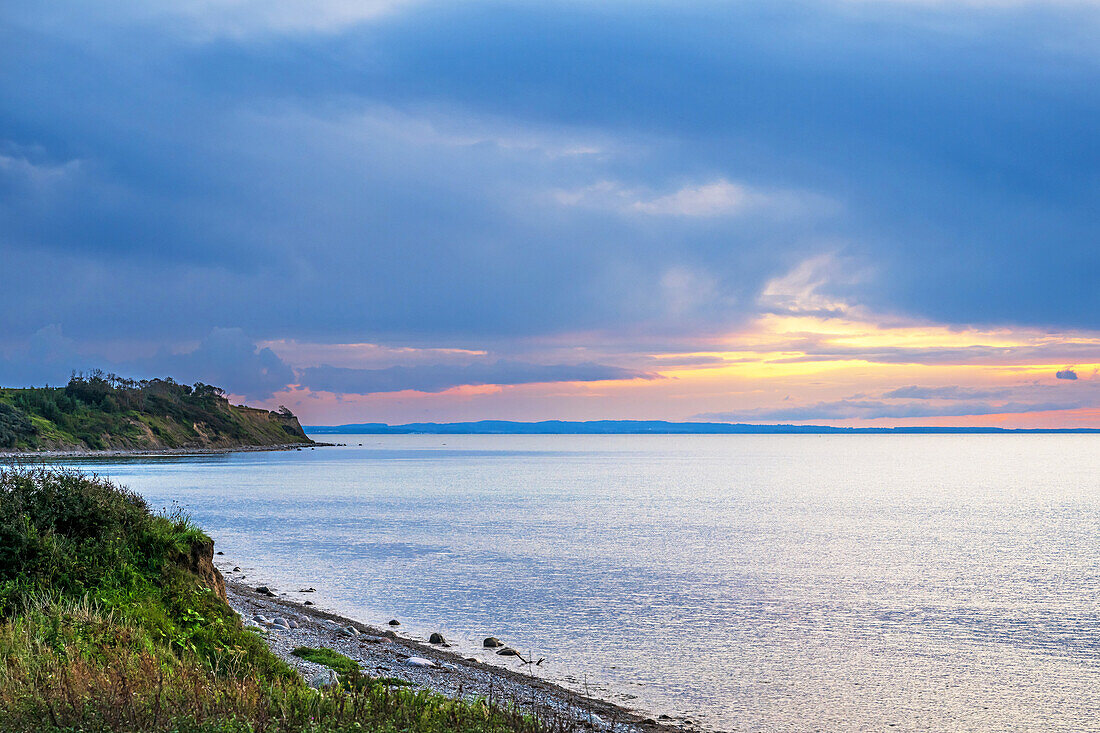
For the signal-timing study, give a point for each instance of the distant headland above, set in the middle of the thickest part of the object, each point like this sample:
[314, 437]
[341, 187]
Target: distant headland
[643, 427]
[105, 412]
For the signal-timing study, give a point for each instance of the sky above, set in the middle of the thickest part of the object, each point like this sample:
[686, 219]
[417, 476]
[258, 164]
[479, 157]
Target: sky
[847, 212]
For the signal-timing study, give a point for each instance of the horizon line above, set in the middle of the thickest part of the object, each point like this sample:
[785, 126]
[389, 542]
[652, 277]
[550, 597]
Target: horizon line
[649, 427]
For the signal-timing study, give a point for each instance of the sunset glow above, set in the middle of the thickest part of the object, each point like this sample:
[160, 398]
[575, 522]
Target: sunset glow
[647, 211]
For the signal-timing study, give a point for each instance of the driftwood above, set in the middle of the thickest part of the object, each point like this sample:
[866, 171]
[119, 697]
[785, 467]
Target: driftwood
[530, 661]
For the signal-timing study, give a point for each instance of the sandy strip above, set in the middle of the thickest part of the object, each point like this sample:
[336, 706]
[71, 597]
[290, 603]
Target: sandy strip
[385, 653]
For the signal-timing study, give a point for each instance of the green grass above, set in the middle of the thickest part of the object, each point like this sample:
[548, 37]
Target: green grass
[346, 667]
[104, 629]
[328, 657]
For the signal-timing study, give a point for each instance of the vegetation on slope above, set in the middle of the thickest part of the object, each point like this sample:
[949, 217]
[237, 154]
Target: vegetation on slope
[104, 626]
[101, 411]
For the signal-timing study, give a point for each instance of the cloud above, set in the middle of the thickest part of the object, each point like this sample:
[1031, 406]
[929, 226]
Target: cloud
[204, 21]
[817, 350]
[246, 17]
[876, 409]
[47, 357]
[946, 393]
[711, 199]
[805, 289]
[226, 358]
[19, 169]
[489, 176]
[718, 198]
[401, 166]
[1066, 373]
[439, 377]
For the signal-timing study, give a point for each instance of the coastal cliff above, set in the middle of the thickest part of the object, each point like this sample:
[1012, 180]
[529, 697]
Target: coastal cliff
[106, 412]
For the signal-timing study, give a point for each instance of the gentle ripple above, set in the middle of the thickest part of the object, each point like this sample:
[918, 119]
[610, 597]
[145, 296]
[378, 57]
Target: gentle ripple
[747, 582]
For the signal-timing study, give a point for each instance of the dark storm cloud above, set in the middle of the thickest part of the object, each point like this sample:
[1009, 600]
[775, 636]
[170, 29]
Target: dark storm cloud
[438, 377]
[461, 172]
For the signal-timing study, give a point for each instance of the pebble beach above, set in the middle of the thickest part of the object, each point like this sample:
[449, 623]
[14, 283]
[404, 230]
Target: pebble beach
[286, 624]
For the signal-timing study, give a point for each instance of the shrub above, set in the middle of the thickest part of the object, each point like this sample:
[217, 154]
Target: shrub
[14, 426]
[103, 630]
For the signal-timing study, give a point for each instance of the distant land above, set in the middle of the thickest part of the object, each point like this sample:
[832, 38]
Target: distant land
[641, 427]
[107, 412]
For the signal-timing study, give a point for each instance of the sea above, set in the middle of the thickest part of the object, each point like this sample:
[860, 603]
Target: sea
[739, 582]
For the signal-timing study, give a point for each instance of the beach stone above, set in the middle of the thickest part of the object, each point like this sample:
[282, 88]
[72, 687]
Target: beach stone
[506, 652]
[307, 590]
[308, 603]
[420, 662]
[264, 590]
[389, 635]
[352, 631]
[219, 553]
[436, 638]
[394, 622]
[492, 642]
[293, 624]
[324, 678]
[236, 570]
[280, 621]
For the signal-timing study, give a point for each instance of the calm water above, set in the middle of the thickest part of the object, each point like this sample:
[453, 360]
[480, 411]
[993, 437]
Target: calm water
[744, 582]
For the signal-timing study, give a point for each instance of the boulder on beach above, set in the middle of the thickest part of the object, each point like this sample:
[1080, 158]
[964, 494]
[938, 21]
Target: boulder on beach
[390, 634]
[292, 624]
[308, 603]
[324, 678]
[307, 590]
[507, 652]
[265, 591]
[236, 570]
[351, 631]
[492, 642]
[436, 638]
[420, 662]
[394, 622]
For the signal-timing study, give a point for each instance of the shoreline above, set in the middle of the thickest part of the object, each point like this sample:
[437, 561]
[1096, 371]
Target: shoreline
[152, 452]
[386, 653]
